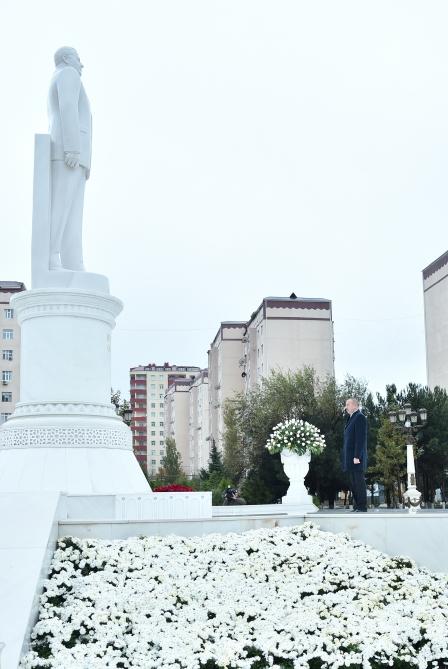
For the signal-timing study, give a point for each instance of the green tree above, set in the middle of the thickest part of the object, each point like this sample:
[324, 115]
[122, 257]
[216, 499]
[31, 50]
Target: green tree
[171, 463]
[234, 459]
[121, 405]
[431, 439]
[280, 396]
[215, 465]
[390, 461]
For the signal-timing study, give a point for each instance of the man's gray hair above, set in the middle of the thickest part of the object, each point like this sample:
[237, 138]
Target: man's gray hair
[354, 400]
[62, 53]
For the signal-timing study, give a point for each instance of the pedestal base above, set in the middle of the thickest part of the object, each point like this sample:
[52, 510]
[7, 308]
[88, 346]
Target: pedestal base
[80, 471]
[64, 434]
[69, 447]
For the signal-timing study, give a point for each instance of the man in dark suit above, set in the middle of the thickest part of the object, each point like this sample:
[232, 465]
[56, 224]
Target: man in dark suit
[354, 454]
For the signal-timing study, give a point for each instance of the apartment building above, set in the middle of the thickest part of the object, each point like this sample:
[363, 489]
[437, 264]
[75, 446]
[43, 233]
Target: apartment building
[287, 334]
[10, 349]
[224, 373]
[149, 384]
[177, 413]
[282, 334]
[199, 439]
[435, 297]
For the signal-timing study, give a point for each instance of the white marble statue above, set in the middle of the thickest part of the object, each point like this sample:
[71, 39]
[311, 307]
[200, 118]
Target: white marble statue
[70, 127]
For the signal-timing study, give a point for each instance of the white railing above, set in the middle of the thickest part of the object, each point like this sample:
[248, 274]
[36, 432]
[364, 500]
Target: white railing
[164, 506]
[250, 510]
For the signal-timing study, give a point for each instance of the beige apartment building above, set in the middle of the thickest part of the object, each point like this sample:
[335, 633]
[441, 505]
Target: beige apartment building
[177, 413]
[287, 334]
[149, 384]
[10, 349]
[435, 296]
[199, 440]
[283, 334]
[224, 373]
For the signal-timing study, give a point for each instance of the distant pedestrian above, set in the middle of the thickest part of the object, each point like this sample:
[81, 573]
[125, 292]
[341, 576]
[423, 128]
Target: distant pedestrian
[354, 454]
[232, 497]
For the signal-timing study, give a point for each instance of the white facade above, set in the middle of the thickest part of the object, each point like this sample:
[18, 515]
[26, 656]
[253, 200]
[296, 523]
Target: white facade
[435, 292]
[199, 438]
[225, 380]
[177, 412]
[10, 349]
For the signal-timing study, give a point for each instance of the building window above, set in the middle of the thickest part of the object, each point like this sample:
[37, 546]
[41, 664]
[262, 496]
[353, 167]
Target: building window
[161, 423]
[153, 406]
[153, 443]
[153, 462]
[153, 452]
[6, 397]
[162, 452]
[153, 423]
[8, 334]
[6, 376]
[153, 433]
[162, 433]
[9, 314]
[4, 417]
[6, 354]
[161, 405]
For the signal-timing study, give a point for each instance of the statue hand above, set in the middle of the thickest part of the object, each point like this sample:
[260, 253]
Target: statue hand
[87, 174]
[71, 159]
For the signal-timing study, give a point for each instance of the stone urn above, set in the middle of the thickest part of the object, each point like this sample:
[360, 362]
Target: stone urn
[296, 468]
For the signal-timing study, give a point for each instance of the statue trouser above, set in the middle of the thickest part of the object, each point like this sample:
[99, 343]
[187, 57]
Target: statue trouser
[67, 201]
[358, 488]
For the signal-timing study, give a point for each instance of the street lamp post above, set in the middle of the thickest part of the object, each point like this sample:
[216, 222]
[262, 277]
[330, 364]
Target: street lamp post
[127, 416]
[408, 421]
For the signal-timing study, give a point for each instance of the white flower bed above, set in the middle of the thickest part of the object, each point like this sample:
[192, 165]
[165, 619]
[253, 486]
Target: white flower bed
[288, 597]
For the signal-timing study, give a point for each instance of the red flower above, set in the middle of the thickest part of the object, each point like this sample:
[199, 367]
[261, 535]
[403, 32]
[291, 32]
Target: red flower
[173, 487]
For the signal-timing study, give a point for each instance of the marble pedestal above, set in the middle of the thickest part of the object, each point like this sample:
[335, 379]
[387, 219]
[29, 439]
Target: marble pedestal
[64, 434]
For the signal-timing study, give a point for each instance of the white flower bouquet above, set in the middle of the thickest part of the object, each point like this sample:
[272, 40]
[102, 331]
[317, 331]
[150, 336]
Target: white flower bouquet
[296, 435]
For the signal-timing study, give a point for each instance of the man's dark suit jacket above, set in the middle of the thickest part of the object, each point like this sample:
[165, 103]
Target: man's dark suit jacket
[355, 442]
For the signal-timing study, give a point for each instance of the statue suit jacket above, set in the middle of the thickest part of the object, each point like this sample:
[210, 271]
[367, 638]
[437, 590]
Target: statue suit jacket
[355, 442]
[70, 117]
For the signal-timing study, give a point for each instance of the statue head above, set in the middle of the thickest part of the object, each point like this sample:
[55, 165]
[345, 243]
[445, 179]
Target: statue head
[67, 56]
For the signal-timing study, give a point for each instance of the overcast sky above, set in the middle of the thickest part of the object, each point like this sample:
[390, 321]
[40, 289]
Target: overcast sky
[244, 149]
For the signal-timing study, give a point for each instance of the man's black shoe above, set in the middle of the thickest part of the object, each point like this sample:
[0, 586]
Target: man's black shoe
[361, 511]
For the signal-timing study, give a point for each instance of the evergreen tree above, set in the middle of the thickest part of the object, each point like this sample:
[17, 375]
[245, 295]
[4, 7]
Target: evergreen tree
[390, 461]
[234, 457]
[215, 465]
[171, 461]
[121, 405]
